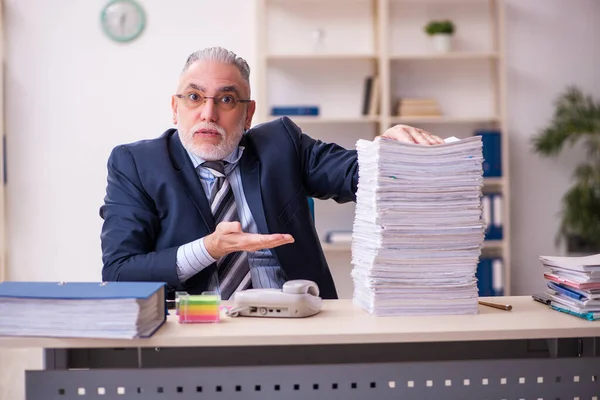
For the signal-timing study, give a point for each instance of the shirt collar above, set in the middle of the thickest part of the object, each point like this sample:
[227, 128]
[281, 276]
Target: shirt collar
[232, 158]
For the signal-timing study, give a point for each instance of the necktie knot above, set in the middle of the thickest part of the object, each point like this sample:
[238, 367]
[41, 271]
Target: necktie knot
[217, 168]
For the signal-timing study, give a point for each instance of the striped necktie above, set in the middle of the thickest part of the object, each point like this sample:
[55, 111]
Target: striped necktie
[233, 272]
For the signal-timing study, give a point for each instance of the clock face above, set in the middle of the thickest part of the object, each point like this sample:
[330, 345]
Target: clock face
[123, 20]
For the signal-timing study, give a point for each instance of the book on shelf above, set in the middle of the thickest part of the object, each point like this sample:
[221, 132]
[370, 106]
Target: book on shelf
[110, 310]
[371, 96]
[278, 111]
[418, 107]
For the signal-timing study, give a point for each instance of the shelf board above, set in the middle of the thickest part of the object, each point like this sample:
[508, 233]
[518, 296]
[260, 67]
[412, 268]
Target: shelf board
[328, 120]
[335, 247]
[445, 56]
[495, 181]
[322, 56]
[443, 120]
[493, 244]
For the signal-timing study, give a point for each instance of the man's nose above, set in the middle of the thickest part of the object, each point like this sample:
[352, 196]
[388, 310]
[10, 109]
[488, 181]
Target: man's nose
[208, 111]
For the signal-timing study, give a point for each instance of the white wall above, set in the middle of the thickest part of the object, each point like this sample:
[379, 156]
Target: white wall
[71, 95]
[550, 44]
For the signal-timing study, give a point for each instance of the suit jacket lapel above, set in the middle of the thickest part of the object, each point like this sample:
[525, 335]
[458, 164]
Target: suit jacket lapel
[188, 176]
[250, 172]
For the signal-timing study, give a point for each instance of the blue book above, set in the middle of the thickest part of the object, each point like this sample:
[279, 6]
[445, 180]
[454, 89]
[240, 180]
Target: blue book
[122, 310]
[588, 315]
[566, 291]
[294, 110]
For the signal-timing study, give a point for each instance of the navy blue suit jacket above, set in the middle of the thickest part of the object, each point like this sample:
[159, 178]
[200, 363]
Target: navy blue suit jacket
[154, 203]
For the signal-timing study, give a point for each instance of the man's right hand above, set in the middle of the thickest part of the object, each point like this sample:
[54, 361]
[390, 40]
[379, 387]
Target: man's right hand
[228, 238]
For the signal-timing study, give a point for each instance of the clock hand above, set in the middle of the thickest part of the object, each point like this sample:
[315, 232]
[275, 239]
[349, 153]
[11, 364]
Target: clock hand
[122, 23]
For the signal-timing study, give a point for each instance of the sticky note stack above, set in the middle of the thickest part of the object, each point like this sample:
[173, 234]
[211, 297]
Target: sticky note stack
[199, 308]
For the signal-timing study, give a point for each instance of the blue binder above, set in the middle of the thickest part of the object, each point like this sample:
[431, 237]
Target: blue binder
[493, 215]
[93, 291]
[490, 277]
[80, 290]
[492, 152]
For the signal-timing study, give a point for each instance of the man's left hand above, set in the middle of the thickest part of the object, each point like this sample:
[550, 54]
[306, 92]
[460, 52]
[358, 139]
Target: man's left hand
[409, 134]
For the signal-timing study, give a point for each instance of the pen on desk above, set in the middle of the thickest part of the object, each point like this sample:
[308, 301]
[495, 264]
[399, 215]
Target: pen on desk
[506, 307]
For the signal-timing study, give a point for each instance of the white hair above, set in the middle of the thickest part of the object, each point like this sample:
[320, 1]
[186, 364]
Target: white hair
[222, 55]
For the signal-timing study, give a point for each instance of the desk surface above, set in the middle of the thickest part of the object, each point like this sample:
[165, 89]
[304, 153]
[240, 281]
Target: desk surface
[341, 322]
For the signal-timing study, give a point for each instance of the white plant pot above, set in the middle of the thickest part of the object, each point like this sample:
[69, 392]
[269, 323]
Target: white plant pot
[442, 43]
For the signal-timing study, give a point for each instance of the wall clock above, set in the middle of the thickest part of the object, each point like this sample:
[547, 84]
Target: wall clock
[123, 20]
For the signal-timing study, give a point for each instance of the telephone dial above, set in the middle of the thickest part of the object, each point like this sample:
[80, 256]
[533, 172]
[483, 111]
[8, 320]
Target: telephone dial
[296, 299]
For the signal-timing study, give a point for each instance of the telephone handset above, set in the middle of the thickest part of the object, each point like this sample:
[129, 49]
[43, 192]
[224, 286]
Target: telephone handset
[296, 299]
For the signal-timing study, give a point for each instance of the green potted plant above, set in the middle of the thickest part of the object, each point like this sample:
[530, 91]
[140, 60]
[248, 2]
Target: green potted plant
[577, 118]
[441, 33]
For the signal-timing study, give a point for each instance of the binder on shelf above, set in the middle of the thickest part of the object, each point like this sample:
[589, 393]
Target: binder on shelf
[490, 276]
[492, 212]
[492, 152]
[111, 310]
[367, 95]
[278, 111]
[375, 96]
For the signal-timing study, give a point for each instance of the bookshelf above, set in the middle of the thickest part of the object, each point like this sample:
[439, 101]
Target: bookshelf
[3, 267]
[311, 52]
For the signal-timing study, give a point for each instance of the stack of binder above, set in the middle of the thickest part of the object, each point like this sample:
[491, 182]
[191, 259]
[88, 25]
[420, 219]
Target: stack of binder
[418, 229]
[111, 310]
[573, 284]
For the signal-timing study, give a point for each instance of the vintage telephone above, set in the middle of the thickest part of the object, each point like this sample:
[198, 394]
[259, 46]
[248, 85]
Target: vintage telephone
[298, 298]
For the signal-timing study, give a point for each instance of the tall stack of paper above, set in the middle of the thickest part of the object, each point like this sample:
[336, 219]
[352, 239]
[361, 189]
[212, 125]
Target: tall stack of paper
[418, 228]
[109, 310]
[574, 284]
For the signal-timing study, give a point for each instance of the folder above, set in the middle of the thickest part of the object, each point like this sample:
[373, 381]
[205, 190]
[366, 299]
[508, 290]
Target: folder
[490, 276]
[492, 152]
[82, 309]
[493, 214]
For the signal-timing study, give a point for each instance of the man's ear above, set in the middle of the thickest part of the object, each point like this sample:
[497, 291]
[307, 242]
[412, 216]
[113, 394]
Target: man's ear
[174, 108]
[249, 114]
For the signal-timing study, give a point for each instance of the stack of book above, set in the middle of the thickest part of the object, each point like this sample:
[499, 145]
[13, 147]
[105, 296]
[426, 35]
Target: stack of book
[418, 108]
[110, 310]
[418, 228]
[573, 285]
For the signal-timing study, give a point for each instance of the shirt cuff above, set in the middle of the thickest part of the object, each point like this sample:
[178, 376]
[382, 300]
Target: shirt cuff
[192, 258]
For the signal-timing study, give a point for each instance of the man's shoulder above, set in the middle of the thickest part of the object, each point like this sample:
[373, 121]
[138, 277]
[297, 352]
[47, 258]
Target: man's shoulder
[276, 125]
[274, 132]
[145, 145]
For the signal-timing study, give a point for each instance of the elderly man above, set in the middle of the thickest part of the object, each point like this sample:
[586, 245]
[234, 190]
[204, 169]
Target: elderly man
[218, 205]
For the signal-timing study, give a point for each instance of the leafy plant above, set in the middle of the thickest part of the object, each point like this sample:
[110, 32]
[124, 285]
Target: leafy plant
[576, 118]
[439, 27]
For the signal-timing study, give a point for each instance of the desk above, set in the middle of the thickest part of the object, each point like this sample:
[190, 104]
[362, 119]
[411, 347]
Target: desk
[343, 352]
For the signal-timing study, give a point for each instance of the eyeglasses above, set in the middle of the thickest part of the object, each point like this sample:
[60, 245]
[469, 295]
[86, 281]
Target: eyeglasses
[224, 102]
